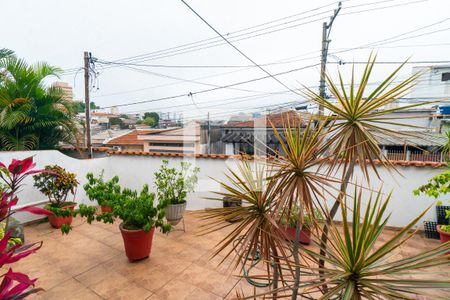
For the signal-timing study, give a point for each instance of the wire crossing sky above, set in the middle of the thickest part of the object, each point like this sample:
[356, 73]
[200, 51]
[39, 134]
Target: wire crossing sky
[158, 56]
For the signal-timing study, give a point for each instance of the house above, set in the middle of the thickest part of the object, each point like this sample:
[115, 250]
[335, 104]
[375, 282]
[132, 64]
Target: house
[239, 137]
[128, 140]
[176, 140]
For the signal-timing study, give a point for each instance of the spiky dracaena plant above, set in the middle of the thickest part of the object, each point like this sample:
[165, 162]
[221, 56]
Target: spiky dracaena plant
[300, 175]
[360, 115]
[257, 233]
[362, 264]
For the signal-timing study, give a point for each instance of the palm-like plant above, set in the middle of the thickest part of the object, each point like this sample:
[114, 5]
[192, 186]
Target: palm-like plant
[299, 176]
[32, 116]
[257, 233]
[360, 116]
[360, 265]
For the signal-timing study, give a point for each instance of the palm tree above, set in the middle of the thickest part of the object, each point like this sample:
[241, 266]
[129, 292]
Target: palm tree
[360, 115]
[32, 116]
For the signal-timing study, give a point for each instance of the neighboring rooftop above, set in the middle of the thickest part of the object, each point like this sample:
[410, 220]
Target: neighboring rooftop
[278, 120]
[130, 137]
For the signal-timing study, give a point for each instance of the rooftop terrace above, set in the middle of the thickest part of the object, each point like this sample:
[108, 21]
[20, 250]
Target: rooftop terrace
[90, 264]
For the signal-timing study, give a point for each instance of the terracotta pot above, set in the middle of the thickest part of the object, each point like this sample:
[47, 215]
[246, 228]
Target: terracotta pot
[57, 221]
[106, 209]
[305, 234]
[444, 236]
[138, 243]
[174, 212]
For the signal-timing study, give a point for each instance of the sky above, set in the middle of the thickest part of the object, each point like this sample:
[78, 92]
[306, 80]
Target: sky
[116, 31]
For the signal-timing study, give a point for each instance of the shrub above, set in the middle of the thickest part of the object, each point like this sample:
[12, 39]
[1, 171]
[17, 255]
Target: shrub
[56, 184]
[106, 193]
[136, 210]
[173, 185]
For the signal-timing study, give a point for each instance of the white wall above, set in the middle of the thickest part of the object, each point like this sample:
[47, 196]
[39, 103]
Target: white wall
[134, 171]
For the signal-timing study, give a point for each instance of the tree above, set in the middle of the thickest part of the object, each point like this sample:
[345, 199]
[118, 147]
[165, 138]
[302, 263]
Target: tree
[116, 121]
[32, 116]
[150, 121]
[153, 115]
[80, 106]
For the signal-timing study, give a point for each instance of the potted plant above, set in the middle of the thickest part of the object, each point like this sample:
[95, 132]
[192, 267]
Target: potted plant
[444, 230]
[139, 217]
[173, 186]
[288, 224]
[106, 193]
[56, 183]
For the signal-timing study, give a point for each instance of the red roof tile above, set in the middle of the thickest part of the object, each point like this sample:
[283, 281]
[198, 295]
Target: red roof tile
[130, 138]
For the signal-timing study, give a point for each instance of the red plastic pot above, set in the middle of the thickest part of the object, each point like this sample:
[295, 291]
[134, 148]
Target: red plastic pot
[305, 234]
[138, 243]
[106, 209]
[58, 221]
[444, 236]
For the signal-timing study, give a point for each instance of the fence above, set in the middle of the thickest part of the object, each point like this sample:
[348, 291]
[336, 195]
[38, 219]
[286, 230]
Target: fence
[411, 156]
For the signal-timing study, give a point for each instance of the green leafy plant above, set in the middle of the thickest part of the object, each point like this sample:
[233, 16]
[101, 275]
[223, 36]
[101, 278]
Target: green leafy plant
[173, 185]
[106, 193]
[436, 186]
[12, 241]
[446, 228]
[56, 183]
[137, 210]
[308, 219]
[33, 115]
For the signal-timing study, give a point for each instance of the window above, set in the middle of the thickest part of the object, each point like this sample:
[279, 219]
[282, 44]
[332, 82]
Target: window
[172, 144]
[445, 76]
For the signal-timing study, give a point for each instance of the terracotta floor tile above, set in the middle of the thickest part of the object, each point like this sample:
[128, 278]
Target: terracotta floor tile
[115, 284]
[151, 278]
[176, 290]
[199, 294]
[90, 263]
[69, 290]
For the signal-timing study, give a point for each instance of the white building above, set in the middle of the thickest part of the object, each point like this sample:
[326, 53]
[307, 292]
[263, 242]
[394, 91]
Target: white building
[434, 84]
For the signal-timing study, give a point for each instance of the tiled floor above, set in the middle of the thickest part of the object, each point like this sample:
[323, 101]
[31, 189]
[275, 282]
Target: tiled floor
[90, 263]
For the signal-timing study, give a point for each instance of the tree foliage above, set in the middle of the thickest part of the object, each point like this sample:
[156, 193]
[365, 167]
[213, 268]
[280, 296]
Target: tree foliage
[32, 115]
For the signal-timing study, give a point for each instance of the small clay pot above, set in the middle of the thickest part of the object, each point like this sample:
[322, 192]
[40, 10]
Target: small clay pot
[58, 221]
[106, 209]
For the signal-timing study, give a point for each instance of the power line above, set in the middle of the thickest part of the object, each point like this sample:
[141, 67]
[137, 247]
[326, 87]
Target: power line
[212, 89]
[213, 41]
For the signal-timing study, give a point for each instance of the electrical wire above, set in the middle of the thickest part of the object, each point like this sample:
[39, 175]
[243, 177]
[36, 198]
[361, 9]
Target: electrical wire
[212, 89]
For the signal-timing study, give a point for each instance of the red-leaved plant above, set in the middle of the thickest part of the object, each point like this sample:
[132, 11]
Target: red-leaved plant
[15, 285]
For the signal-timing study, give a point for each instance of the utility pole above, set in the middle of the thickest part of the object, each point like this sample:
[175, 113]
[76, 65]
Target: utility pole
[326, 29]
[87, 61]
[209, 135]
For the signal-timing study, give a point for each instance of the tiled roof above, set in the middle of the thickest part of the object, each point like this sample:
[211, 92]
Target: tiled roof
[130, 138]
[278, 120]
[101, 114]
[224, 156]
[171, 154]
[410, 138]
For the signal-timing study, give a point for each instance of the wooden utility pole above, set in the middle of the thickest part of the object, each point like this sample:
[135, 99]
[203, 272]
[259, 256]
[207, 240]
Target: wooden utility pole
[326, 29]
[209, 136]
[87, 103]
